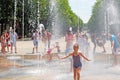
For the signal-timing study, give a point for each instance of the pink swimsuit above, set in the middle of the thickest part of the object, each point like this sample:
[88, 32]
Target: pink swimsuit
[49, 51]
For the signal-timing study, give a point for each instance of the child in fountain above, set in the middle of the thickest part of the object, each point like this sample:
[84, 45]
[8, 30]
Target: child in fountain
[77, 65]
[50, 50]
[49, 53]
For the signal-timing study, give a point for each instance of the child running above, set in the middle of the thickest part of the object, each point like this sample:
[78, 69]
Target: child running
[77, 65]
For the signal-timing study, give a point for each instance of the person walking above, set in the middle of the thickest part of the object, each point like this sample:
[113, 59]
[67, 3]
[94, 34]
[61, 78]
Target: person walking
[13, 39]
[69, 38]
[114, 47]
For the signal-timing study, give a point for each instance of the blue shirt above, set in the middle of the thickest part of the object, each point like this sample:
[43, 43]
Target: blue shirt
[116, 42]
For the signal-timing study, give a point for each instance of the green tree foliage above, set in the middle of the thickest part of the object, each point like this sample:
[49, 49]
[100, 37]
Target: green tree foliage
[67, 15]
[31, 14]
[6, 12]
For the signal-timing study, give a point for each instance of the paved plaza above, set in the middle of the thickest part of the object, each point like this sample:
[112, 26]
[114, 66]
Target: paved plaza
[99, 68]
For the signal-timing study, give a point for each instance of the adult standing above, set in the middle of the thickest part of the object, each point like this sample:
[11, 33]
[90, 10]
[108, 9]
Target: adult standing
[3, 43]
[69, 38]
[46, 38]
[13, 39]
[7, 39]
[114, 46]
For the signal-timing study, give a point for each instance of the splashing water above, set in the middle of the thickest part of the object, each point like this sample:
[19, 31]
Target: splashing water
[112, 17]
[56, 22]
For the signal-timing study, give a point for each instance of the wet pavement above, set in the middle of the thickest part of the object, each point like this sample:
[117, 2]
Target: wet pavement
[40, 69]
[60, 70]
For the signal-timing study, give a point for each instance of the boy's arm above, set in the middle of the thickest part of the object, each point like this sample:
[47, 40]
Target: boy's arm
[67, 56]
[84, 56]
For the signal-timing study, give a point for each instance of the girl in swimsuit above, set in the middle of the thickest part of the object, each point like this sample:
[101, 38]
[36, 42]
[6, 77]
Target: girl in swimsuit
[77, 65]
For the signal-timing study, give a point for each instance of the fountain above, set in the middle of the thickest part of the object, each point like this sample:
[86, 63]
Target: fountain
[58, 70]
[112, 21]
[57, 28]
[35, 66]
[13, 57]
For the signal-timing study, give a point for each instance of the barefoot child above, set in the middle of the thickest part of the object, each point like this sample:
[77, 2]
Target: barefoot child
[53, 47]
[77, 65]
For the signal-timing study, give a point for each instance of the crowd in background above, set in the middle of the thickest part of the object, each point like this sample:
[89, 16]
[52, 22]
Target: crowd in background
[8, 40]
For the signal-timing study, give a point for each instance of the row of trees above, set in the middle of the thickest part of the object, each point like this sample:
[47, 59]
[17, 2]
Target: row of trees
[34, 10]
[7, 14]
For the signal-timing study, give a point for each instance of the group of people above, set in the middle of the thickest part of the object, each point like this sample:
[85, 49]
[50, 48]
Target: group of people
[8, 39]
[82, 43]
[77, 46]
[100, 40]
[71, 48]
[45, 36]
[79, 37]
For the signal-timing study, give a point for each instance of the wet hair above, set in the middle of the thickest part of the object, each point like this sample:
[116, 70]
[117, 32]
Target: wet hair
[76, 45]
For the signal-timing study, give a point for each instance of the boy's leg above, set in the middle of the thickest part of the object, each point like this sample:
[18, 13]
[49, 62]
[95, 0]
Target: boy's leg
[7, 46]
[15, 49]
[11, 47]
[116, 58]
[34, 43]
[115, 61]
[37, 49]
[33, 50]
[3, 50]
[37, 46]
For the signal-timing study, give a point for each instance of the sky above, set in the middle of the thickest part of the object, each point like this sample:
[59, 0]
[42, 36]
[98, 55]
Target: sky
[82, 8]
